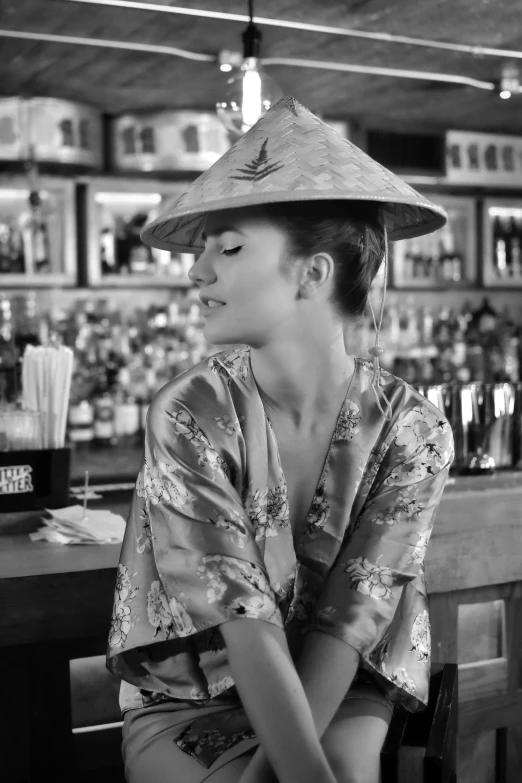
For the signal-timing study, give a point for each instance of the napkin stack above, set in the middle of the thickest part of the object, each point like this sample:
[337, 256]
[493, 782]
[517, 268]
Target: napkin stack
[69, 526]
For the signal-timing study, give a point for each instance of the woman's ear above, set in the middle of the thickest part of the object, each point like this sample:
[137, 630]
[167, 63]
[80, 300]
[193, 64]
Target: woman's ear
[315, 273]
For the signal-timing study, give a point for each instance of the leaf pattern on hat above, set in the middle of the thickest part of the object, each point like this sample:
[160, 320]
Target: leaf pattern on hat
[259, 168]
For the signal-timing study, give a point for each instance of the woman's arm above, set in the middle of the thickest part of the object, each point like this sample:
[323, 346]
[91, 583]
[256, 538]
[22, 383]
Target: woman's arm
[326, 667]
[275, 701]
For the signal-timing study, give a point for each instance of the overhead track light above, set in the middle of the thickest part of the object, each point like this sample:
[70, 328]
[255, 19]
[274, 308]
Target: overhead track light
[228, 60]
[476, 51]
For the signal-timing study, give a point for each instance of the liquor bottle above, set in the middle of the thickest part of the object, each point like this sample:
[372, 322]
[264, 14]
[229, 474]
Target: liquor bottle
[103, 403]
[426, 259]
[501, 248]
[38, 235]
[5, 247]
[27, 322]
[17, 250]
[107, 252]
[459, 358]
[485, 317]
[511, 359]
[432, 253]
[466, 316]
[450, 263]
[126, 410]
[516, 256]
[490, 330]
[505, 222]
[9, 380]
[425, 327]
[509, 343]
[443, 258]
[494, 361]
[408, 263]
[442, 332]
[11, 250]
[417, 259]
[458, 267]
[518, 232]
[145, 396]
[141, 258]
[80, 424]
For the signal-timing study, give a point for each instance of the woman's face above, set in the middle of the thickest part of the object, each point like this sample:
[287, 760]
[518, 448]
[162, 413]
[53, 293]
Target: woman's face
[245, 266]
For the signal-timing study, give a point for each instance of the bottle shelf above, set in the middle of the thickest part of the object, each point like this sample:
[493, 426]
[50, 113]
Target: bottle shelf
[36, 281]
[444, 259]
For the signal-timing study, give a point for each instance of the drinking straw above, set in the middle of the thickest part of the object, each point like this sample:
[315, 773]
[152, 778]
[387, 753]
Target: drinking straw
[85, 490]
[69, 361]
[61, 389]
[46, 387]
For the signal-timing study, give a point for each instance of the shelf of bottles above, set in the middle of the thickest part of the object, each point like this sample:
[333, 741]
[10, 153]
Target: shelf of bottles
[37, 233]
[503, 244]
[445, 258]
[116, 213]
[122, 358]
[138, 350]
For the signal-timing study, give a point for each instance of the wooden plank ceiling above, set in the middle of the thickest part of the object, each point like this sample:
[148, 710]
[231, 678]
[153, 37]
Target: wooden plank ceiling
[118, 81]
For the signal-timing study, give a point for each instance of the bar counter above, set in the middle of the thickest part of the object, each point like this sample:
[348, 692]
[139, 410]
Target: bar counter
[55, 604]
[120, 464]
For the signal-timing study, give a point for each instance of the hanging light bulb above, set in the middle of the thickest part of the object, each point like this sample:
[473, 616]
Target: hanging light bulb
[509, 80]
[250, 90]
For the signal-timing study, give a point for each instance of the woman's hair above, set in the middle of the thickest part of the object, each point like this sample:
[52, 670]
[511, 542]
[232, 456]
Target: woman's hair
[351, 232]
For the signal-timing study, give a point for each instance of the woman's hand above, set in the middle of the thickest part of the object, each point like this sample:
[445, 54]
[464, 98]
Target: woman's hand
[258, 770]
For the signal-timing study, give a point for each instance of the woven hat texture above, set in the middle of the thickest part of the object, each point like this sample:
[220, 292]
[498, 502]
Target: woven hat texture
[291, 155]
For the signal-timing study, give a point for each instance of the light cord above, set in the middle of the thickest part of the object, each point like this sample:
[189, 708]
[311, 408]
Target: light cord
[377, 349]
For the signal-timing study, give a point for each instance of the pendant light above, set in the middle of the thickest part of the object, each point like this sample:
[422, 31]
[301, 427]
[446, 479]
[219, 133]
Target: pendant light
[250, 90]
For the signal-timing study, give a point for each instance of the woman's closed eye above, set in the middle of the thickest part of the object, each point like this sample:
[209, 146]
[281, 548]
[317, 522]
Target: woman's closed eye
[231, 251]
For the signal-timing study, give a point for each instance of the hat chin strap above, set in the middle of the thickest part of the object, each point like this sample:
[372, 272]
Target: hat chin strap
[377, 350]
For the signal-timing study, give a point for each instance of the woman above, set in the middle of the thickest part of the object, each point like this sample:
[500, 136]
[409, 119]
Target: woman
[270, 589]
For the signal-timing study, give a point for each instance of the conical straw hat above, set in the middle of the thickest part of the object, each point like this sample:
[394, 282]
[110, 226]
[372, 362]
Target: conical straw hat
[291, 155]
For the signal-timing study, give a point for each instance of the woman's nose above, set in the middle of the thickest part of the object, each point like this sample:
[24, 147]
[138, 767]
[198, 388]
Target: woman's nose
[201, 271]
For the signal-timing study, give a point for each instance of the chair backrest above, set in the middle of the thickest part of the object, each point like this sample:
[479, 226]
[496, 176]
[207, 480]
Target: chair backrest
[421, 747]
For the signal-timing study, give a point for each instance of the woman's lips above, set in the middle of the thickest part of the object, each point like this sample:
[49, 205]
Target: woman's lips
[206, 309]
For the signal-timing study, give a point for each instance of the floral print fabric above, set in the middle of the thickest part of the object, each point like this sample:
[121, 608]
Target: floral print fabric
[208, 539]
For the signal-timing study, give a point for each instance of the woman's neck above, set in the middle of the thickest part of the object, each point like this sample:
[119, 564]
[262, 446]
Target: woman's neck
[301, 380]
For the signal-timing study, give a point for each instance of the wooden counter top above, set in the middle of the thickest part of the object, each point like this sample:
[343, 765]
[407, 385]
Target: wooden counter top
[476, 538]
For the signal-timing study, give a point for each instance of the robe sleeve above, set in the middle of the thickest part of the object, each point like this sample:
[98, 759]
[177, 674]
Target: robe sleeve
[209, 565]
[385, 546]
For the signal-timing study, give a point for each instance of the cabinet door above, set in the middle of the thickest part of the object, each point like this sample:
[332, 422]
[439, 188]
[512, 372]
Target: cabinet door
[38, 239]
[117, 210]
[442, 259]
[502, 245]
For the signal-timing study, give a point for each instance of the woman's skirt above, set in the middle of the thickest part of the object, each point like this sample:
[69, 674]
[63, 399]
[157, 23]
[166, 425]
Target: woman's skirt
[157, 749]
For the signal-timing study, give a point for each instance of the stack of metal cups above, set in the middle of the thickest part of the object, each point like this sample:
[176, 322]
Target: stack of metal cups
[486, 419]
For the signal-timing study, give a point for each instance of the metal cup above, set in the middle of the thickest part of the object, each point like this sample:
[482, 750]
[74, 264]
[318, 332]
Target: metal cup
[500, 423]
[483, 421]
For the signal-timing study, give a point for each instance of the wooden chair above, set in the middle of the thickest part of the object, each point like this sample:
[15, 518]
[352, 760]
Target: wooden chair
[422, 747]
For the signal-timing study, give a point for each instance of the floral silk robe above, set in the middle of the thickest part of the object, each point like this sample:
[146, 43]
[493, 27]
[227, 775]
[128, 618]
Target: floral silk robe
[208, 539]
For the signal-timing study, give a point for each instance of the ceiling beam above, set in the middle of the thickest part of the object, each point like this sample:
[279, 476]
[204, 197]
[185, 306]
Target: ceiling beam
[476, 51]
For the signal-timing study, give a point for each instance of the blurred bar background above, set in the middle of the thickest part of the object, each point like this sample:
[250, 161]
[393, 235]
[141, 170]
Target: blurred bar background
[110, 108]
